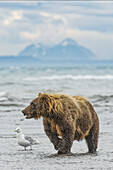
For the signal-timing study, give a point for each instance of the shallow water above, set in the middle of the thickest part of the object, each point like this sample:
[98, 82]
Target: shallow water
[18, 86]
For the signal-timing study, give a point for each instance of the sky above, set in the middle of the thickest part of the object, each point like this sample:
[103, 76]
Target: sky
[90, 24]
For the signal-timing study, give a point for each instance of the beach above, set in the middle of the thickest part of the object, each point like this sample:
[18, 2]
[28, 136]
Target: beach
[20, 85]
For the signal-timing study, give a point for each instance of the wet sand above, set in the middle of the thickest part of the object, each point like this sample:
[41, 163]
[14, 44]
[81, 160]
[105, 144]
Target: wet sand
[15, 94]
[43, 156]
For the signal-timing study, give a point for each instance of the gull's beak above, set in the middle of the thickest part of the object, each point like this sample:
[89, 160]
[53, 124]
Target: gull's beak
[14, 130]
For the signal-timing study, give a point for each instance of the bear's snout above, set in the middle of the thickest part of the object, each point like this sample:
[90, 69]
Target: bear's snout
[23, 111]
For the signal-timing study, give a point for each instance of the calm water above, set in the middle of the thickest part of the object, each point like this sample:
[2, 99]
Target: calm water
[18, 86]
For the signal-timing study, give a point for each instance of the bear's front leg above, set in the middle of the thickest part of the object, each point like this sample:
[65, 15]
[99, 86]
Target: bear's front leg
[53, 136]
[67, 141]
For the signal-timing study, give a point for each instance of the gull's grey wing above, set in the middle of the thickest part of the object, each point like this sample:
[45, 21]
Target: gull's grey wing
[31, 140]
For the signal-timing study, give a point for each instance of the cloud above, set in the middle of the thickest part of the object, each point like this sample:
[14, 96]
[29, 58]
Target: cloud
[45, 14]
[30, 35]
[14, 16]
[89, 23]
[99, 42]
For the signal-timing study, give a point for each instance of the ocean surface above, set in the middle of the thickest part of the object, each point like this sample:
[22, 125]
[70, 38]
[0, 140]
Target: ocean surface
[20, 85]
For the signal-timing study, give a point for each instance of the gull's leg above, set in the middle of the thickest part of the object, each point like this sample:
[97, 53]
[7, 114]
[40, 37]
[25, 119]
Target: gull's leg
[31, 147]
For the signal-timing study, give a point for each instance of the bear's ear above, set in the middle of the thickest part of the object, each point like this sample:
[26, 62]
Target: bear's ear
[39, 94]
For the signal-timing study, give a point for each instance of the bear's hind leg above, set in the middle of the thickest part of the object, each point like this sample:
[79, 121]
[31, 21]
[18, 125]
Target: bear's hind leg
[92, 139]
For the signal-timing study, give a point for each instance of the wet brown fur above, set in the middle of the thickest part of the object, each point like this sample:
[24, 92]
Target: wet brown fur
[71, 118]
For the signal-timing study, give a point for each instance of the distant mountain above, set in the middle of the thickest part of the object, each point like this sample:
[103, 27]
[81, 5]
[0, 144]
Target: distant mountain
[66, 53]
[68, 49]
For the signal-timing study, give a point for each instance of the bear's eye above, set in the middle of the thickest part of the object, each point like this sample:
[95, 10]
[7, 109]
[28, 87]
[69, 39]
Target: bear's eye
[33, 105]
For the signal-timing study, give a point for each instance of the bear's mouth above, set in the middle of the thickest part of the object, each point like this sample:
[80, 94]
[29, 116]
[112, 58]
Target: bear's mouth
[31, 115]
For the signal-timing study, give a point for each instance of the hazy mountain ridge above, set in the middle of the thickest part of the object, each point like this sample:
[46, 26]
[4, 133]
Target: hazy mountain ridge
[68, 49]
[66, 53]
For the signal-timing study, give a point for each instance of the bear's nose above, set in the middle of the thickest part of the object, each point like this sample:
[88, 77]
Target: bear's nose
[23, 111]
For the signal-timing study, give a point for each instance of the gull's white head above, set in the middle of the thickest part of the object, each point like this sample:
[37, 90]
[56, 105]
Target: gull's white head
[18, 130]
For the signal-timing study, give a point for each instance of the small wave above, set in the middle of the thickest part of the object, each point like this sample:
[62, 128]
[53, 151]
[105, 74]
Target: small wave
[102, 96]
[102, 100]
[11, 104]
[71, 77]
[3, 93]
[2, 99]
[48, 70]
[3, 96]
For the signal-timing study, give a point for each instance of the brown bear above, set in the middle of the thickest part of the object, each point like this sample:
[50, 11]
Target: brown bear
[66, 119]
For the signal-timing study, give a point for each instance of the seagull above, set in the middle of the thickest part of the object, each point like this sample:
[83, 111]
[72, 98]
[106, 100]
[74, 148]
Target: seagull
[25, 141]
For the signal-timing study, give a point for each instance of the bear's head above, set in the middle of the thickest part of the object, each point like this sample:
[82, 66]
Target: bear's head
[44, 105]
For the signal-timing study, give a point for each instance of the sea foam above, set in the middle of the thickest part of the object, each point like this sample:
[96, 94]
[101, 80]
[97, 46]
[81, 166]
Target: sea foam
[71, 77]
